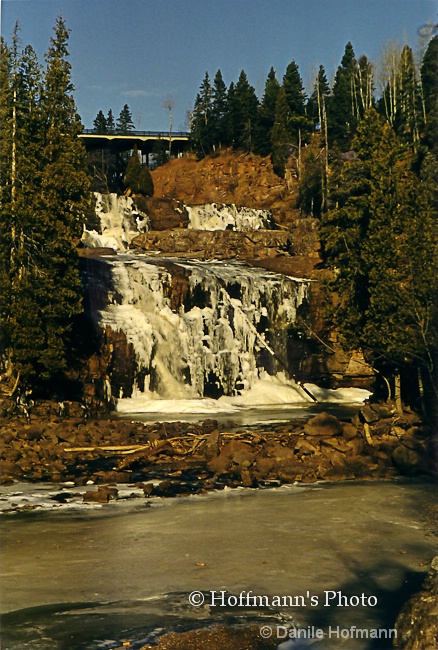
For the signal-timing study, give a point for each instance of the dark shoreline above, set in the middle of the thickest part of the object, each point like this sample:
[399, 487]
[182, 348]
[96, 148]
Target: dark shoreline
[193, 457]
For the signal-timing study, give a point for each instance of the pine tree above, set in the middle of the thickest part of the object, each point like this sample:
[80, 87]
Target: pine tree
[408, 117]
[133, 170]
[280, 136]
[429, 84]
[100, 123]
[110, 123]
[244, 112]
[429, 75]
[145, 182]
[380, 238]
[6, 222]
[342, 116]
[294, 89]
[312, 178]
[266, 116]
[53, 280]
[124, 122]
[201, 133]
[219, 112]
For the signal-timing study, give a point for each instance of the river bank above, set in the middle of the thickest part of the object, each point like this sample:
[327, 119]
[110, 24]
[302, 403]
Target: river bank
[58, 444]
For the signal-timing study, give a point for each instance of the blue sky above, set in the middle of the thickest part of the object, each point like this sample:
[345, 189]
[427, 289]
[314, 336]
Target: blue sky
[140, 52]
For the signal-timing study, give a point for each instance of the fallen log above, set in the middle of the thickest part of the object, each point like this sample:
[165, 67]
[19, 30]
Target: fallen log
[121, 448]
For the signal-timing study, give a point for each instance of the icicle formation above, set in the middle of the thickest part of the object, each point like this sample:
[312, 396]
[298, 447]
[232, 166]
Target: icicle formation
[218, 337]
[120, 222]
[219, 216]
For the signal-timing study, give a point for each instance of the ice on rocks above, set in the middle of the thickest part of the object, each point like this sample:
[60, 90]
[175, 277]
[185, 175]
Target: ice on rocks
[207, 349]
[120, 222]
[220, 216]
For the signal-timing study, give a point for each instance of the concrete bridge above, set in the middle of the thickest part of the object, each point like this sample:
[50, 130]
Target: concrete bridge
[146, 141]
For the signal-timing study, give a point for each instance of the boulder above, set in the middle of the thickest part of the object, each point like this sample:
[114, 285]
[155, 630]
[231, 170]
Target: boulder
[234, 453]
[102, 495]
[323, 424]
[30, 432]
[408, 461]
[349, 430]
[209, 449]
[368, 414]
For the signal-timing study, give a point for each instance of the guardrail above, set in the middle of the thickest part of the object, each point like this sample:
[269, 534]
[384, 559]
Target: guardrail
[156, 134]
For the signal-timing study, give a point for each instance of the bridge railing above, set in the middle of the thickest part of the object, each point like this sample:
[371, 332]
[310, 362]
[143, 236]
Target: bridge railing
[155, 134]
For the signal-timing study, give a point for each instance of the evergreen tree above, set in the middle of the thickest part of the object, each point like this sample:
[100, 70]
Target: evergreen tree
[408, 118]
[429, 75]
[299, 125]
[133, 170]
[266, 116]
[137, 177]
[124, 122]
[429, 84]
[231, 120]
[219, 112]
[310, 198]
[380, 238]
[44, 215]
[342, 116]
[145, 182]
[280, 137]
[110, 123]
[6, 101]
[201, 133]
[244, 112]
[100, 124]
[294, 89]
[64, 200]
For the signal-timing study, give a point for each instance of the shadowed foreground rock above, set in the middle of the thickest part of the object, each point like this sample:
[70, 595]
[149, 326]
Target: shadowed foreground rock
[218, 638]
[417, 623]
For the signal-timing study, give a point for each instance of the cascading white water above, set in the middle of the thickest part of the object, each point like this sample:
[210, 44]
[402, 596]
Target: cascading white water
[220, 216]
[120, 222]
[213, 343]
[197, 329]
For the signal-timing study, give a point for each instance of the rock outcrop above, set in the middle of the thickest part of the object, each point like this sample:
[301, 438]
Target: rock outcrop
[219, 244]
[417, 623]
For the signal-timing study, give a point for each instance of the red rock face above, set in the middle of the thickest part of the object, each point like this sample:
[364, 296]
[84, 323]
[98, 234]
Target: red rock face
[243, 179]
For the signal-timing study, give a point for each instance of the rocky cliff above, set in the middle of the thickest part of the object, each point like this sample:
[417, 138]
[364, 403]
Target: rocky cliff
[292, 248]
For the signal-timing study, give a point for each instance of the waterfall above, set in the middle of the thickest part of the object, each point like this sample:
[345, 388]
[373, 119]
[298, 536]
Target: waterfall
[120, 222]
[220, 216]
[216, 333]
[198, 329]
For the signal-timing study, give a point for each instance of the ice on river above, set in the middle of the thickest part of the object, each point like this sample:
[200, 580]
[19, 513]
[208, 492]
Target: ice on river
[266, 392]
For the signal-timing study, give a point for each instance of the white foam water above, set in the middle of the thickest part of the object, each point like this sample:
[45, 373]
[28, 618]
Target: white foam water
[120, 222]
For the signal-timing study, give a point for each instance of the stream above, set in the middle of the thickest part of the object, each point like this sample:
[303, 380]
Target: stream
[92, 579]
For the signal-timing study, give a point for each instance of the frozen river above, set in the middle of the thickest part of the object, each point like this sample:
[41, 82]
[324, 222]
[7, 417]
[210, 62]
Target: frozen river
[85, 580]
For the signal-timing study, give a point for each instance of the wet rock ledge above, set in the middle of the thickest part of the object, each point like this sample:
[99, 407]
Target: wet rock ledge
[168, 459]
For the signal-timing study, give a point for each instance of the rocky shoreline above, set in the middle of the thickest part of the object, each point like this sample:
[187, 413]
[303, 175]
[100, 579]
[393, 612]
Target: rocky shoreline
[58, 443]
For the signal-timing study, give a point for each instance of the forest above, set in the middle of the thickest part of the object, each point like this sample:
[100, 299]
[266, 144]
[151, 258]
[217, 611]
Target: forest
[363, 153]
